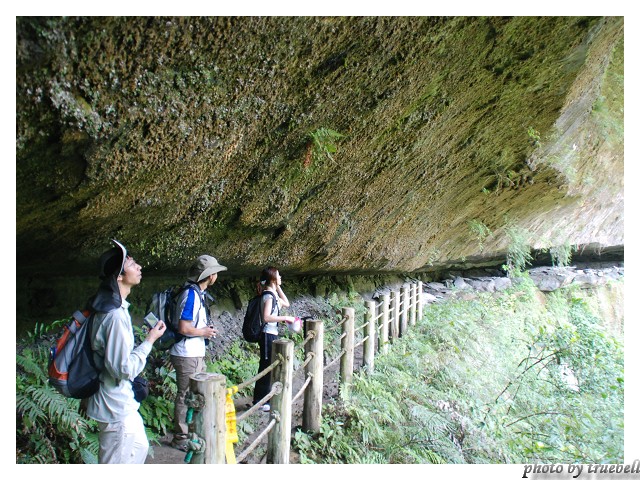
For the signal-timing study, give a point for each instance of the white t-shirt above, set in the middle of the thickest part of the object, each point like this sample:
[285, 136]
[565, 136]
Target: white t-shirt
[192, 309]
[270, 327]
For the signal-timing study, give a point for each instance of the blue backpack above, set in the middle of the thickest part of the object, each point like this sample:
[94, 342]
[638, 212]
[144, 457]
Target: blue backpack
[72, 370]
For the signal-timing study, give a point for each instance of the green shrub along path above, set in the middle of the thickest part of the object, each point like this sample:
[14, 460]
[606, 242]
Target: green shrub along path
[516, 376]
[513, 377]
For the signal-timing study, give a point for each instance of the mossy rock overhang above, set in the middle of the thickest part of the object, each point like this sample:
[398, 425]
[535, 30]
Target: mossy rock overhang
[320, 145]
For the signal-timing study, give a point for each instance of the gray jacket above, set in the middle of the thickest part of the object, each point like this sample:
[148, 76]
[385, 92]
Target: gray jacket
[113, 344]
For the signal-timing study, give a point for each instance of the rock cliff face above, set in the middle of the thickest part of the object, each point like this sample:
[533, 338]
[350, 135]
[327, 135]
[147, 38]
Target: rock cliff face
[321, 145]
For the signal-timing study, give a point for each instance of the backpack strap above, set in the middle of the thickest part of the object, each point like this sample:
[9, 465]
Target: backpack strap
[200, 294]
[274, 303]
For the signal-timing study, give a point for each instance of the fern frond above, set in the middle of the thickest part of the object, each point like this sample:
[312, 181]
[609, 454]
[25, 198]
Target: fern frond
[26, 406]
[58, 409]
[32, 367]
[88, 456]
[433, 457]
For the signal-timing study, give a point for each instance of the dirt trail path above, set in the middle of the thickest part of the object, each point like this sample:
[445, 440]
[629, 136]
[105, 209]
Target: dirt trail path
[166, 454]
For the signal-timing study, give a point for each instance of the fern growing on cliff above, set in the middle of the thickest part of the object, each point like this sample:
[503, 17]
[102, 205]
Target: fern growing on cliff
[480, 231]
[561, 255]
[518, 250]
[323, 144]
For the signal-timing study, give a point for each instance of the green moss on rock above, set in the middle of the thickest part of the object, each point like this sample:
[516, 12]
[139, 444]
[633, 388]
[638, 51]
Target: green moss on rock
[187, 135]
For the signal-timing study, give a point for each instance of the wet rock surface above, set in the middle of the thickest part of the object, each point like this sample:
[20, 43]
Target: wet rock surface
[326, 144]
[546, 278]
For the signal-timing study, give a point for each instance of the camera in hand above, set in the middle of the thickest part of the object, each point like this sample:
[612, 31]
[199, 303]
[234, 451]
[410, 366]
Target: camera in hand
[150, 320]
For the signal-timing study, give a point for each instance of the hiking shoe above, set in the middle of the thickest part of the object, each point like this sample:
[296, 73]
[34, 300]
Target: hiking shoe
[265, 408]
[180, 443]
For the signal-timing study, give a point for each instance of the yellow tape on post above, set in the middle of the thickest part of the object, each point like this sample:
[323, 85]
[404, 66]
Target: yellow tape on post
[232, 432]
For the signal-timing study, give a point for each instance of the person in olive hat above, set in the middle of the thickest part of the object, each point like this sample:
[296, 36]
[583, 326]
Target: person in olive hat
[187, 355]
[121, 434]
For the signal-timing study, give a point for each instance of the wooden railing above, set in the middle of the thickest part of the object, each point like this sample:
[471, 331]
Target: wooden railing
[214, 419]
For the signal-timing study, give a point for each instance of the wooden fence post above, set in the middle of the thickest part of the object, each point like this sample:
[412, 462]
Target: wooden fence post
[210, 422]
[348, 332]
[420, 297]
[404, 299]
[413, 303]
[395, 315]
[383, 343]
[279, 440]
[312, 410]
[369, 347]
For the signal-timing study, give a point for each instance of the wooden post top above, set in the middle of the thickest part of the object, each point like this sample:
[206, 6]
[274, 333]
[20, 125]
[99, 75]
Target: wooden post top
[205, 376]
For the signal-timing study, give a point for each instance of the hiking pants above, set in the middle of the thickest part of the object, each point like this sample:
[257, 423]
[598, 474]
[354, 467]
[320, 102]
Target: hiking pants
[263, 385]
[185, 367]
[124, 441]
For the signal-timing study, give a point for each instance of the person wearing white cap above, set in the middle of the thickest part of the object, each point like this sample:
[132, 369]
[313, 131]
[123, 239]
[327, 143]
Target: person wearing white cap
[121, 436]
[187, 355]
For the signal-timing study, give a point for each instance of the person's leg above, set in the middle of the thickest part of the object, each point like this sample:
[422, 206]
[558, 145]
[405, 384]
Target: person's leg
[185, 367]
[140, 443]
[263, 385]
[124, 441]
[111, 438]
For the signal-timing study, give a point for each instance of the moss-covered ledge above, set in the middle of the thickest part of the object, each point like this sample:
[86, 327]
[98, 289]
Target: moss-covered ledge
[178, 136]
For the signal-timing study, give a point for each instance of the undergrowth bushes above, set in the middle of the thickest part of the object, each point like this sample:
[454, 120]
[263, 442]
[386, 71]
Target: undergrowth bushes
[515, 377]
[50, 427]
[510, 377]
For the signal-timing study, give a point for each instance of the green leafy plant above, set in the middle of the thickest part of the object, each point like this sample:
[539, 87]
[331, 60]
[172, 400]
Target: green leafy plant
[561, 255]
[49, 426]
[534, 137]
[239, 363]
[480, 231]
[331, 444]
[485, 381]
[518, 250]
[501, 176]
[322, 144]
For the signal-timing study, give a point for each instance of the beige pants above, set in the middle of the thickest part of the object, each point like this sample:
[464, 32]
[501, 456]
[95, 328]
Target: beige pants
[185, 367]
[124, 441]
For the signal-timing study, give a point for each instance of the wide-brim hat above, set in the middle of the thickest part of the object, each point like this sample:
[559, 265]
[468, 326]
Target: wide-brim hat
[112, 261]
[204, 266]
[108, 295]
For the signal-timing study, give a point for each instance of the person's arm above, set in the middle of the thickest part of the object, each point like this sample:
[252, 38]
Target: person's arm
[156, 332]
[185, 328]
[284, 301]
[266, 312]
[121, 360]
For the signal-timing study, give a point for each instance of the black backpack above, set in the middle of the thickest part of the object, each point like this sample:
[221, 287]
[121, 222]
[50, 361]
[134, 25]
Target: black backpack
[72, 370]
[252, 325]
[163, 306]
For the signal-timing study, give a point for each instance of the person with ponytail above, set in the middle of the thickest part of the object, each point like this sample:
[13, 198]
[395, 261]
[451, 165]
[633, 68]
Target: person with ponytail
[273, 299]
